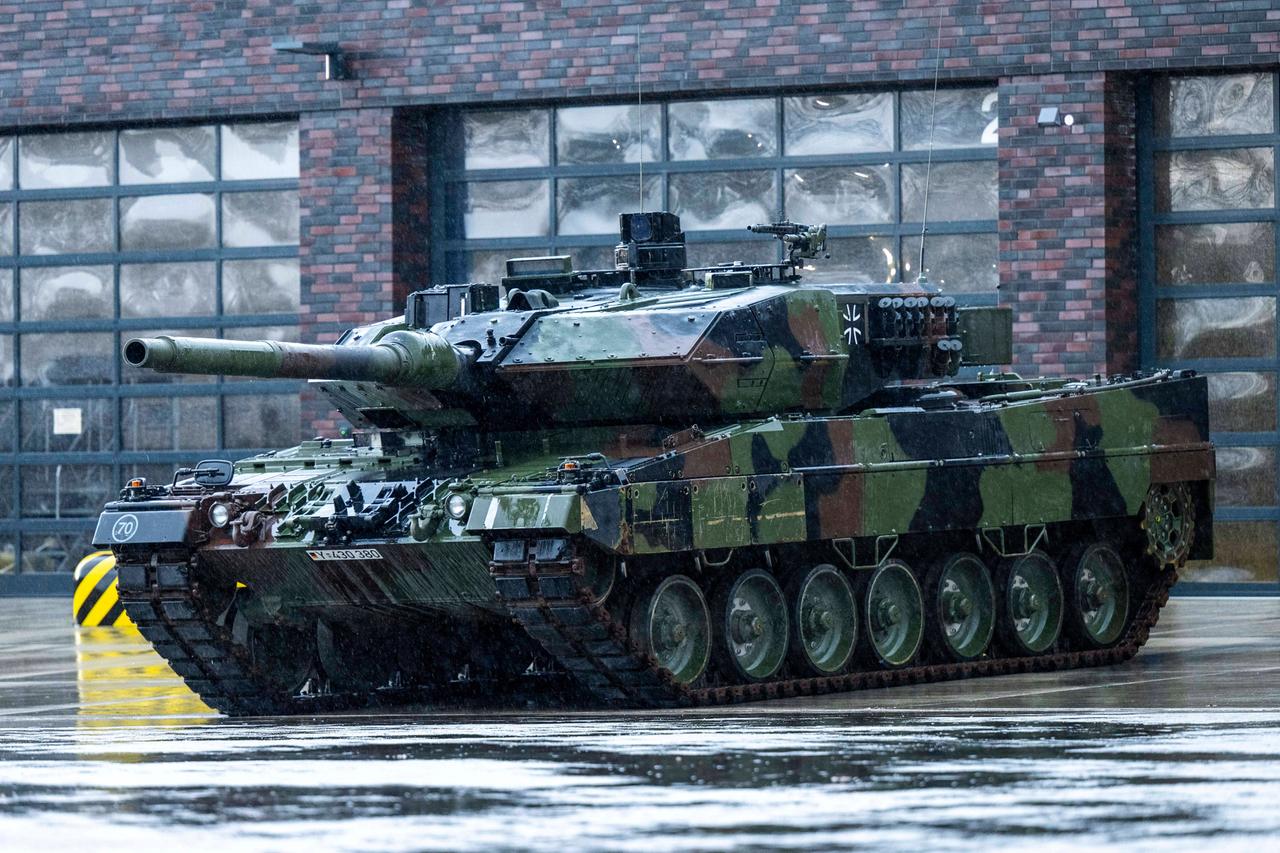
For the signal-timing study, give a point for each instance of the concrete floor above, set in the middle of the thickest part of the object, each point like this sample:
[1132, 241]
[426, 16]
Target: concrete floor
[1178, 749]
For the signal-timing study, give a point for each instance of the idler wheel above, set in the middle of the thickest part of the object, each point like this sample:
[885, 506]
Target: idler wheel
[1031, 603]
[753, 625]
[1097, 594]
[355, 659]
[893, 611]
[962, 606]
[824, 620]
[673, 624]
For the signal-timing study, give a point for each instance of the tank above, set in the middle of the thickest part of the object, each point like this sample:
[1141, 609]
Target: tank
[657, 486]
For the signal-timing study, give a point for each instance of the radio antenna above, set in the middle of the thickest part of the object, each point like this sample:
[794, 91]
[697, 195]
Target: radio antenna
[921, 278]
[640, 115]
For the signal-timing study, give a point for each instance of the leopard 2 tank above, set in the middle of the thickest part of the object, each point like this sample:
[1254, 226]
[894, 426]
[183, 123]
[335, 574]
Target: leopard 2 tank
[654, 486]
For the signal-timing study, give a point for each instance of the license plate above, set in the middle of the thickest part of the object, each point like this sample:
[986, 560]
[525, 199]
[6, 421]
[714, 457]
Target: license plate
[346, 554]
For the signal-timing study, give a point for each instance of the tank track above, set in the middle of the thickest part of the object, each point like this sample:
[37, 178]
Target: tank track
[164, 603]
[558, 609]
[554, 604]
[161, 600]
[160, 597]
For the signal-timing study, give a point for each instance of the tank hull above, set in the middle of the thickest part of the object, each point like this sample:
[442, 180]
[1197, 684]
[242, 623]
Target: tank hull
[765, 558]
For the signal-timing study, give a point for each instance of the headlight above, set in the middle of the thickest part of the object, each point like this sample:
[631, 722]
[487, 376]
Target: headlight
[219, 515]
[457, 506]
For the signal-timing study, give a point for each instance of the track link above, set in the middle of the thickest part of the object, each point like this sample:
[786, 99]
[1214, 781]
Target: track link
[551, 601]
[162, 600]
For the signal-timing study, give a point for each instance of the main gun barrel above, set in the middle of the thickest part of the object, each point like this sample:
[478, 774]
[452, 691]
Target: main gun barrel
[404, 357]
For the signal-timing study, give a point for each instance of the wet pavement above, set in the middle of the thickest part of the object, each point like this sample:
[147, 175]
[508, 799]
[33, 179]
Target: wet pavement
[1178, 749]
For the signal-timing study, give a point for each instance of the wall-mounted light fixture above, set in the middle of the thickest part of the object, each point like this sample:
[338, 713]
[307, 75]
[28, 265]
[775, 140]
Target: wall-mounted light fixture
[335, 63]
[1053, 117]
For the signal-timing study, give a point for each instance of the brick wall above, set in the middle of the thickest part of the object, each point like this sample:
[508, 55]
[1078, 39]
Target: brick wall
[1066, 228]
[94, 60]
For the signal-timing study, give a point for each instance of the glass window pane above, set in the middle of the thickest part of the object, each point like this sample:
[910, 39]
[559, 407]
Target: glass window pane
[6, 295]
[491, 265]
[68, 426]
[716, 130]
[167, 155]
[184, 221]
[6, 228]
[956, 191]
[961, 118]
[258, 151]
[731, 200]
[1246, 476]
[1240, 327]
[1215, 180]
[65, 226]
[58, 552]
[1243, 552]
[839, 195]
[1214, 106]
[6, 162]
[507, 209]
[260, 219]
[261, 421]
[65, 491]
[6, 361]
[956, 263]
[8, 434]
[1212, 254]
[590, 257]
[167, 290]
[271, 286]
[64, 293]
[838, 124]
[856, 260]
[592, 205]
[610, 134]
[701, 254]
[68, 359]
[66, 160]
[169, 423]
[142, 376]
[154, 474]
[507, 139]
[1242, 402]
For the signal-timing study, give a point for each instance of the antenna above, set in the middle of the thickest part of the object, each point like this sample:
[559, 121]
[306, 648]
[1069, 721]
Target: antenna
[640, 116]
[921, 278]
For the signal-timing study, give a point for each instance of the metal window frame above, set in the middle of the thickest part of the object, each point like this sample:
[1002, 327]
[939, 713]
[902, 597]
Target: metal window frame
[1151, 293]
[449, 251]
[16, 529]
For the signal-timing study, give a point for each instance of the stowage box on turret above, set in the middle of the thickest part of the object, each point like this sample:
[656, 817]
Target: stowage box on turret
[653, 485]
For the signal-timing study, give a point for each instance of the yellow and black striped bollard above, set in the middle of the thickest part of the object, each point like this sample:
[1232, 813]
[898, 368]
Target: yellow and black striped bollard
[97, 600]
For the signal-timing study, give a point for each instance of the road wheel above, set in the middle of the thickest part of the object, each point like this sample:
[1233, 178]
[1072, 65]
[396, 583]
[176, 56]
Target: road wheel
[1031, 603]
[673, 624]
[893, 611]
[962, 606]
[753, 625]
[824, 620]
[1097, 595]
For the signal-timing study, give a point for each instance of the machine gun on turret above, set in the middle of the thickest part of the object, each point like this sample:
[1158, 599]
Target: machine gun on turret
[802, 241]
